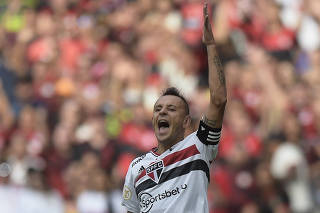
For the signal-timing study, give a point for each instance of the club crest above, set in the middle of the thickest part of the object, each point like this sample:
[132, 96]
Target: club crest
[154, 170]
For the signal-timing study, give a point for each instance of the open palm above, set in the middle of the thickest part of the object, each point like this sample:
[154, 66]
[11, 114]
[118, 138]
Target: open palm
[207, 37]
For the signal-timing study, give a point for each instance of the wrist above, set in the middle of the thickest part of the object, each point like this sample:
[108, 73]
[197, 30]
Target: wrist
[210, 44]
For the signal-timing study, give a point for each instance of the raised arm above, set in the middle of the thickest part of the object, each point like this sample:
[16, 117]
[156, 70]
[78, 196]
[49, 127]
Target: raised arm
[217, 82]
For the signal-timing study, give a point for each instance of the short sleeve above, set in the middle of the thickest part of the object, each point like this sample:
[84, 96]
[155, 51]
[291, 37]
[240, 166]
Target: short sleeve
[210, 138]
[208, 135]
[129, 197]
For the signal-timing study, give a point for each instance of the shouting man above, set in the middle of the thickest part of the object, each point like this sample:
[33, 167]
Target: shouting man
[174, 177]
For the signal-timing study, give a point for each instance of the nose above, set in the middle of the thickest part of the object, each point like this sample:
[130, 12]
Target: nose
[163, 111]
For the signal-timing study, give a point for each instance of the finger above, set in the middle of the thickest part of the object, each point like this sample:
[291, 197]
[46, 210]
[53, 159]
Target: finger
[205, 9]
[207, 22]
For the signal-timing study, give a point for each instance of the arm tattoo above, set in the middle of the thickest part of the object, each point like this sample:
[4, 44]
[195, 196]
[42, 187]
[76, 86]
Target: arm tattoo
[219, 67]
[209, 122]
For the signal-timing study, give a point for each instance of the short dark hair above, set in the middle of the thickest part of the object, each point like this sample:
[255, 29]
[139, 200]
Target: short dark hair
[175, 92]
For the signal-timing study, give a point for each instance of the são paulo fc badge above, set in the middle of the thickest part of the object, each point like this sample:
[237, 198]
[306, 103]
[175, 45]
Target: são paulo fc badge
[154, 170]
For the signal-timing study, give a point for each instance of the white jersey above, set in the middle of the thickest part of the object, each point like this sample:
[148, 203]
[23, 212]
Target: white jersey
[175, 181]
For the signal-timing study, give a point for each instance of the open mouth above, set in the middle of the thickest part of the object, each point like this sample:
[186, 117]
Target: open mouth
[163, 126]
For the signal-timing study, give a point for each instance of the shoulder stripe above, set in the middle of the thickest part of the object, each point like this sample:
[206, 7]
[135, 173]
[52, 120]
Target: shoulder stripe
[175, 157]
[214, 133]
[208, 135]
[180, 155]
[213, 140]
[214, 137]
[195, 165]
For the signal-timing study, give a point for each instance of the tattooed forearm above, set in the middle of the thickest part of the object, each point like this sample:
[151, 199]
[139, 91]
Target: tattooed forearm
[217, 62]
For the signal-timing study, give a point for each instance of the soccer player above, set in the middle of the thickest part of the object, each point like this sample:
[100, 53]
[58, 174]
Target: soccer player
[174, 176]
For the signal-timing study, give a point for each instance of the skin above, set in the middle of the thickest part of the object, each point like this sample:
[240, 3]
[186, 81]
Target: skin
[172, 109]
[217, 82]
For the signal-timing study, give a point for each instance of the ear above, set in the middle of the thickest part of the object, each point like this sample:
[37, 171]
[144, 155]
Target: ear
[186, 122]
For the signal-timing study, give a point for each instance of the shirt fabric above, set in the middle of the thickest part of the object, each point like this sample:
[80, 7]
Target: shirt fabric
[175, 181]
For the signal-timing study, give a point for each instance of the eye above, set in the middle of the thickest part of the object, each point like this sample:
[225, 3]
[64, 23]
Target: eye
[172, 109]
[157, 109]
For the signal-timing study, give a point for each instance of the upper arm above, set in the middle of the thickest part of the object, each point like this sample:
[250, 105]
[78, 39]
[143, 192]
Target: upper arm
[218, 90]
[207, 134]
[214, 114]
[209, 138]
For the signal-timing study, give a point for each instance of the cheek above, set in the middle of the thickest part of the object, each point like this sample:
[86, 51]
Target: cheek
[178, 122]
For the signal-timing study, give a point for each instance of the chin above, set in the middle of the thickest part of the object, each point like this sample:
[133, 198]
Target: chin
[163, 138]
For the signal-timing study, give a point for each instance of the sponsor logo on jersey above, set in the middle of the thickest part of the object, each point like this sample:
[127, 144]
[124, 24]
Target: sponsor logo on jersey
[147, 200]
[154, 170]
[126, 193]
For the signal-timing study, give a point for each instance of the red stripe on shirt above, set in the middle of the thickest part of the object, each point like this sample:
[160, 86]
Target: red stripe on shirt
[175, 157]
[180, 155]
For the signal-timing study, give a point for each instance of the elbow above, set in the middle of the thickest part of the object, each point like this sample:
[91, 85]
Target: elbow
[220, 101]
[219, 97]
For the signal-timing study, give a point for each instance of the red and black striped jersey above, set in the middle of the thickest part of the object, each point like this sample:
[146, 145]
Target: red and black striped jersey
[175, 181]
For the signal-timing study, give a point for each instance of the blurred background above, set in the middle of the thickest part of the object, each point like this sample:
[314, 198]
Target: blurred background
[79, 79]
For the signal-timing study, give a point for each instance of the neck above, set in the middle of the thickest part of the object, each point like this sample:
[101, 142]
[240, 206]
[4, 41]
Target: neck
[162, 148]
[165, 145]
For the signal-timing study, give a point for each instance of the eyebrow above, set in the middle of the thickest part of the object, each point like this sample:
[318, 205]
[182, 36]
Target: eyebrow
[160, 105]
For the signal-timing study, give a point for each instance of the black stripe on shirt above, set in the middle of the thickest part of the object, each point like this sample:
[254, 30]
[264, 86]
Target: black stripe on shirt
[176, 172]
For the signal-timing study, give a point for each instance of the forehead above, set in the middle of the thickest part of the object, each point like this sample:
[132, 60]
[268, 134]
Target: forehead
[169, 100]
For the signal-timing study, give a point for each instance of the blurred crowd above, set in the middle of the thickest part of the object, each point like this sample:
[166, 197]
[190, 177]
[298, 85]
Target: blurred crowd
[79, 79]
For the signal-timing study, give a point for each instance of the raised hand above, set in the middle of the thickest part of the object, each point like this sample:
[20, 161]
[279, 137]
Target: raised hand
[207, 37]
